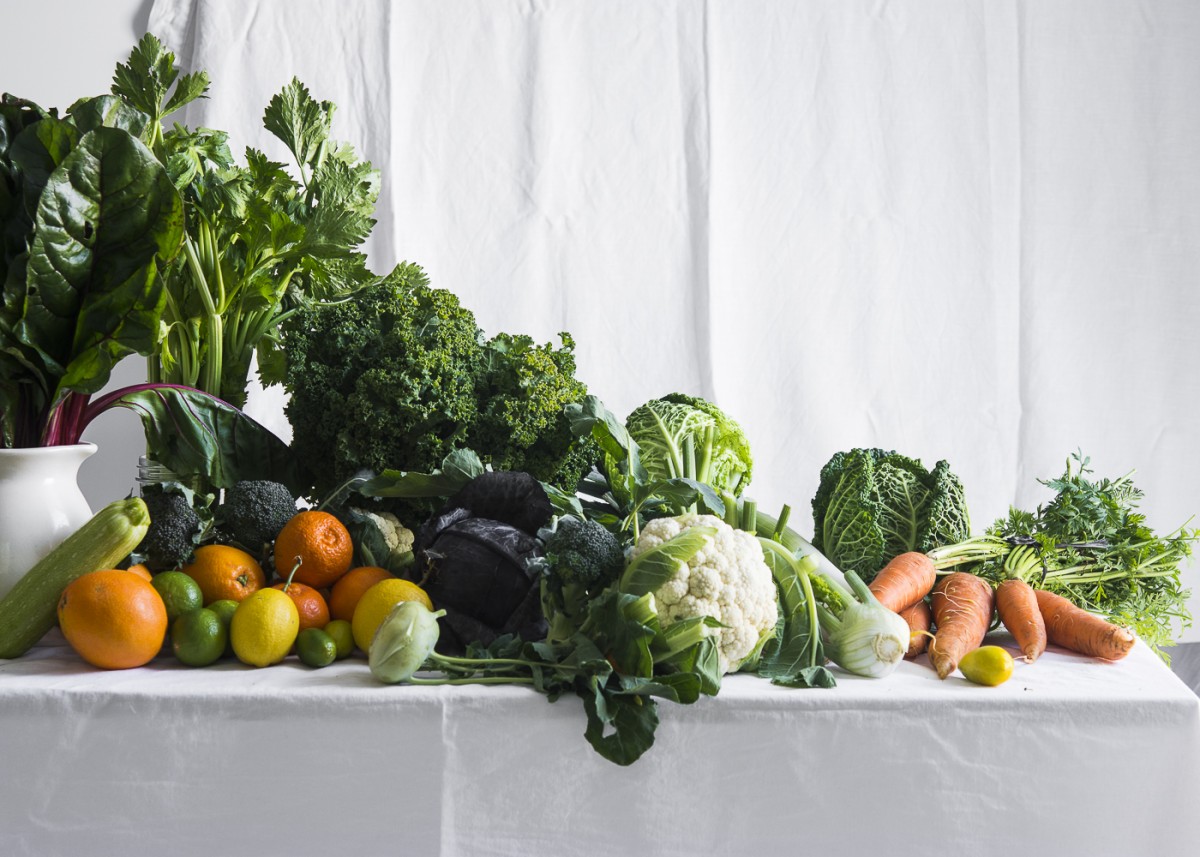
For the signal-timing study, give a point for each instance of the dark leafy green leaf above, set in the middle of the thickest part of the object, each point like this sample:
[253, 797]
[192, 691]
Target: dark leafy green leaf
[620, 728]
[107, 111]
[458, 468]
[93, 296]
[195, 434]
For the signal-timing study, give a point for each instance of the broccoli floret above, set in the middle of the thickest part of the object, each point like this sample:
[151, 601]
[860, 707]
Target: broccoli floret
[174, 527]
[255, 510]
[580, 559]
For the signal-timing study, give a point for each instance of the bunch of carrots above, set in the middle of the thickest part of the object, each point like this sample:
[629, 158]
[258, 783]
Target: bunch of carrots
[960, 606]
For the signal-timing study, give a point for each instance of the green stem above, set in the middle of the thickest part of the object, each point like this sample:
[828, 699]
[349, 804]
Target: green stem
[484, 680]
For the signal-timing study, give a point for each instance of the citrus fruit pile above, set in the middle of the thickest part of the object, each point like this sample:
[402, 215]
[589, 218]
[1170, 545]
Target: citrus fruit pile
[224, 604]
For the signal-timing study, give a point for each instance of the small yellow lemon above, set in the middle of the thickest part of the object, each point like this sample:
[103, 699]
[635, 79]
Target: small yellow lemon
[989, 665]
[264, 627]
[377, 602]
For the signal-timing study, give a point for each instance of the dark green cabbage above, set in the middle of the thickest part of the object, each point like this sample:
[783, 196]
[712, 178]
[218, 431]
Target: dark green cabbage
[873, 505]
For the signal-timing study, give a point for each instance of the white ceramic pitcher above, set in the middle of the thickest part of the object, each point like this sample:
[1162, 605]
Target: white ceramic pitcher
[40, 504]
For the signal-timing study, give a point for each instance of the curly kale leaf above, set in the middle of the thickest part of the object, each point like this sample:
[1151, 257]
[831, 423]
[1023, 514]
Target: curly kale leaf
[523, 390]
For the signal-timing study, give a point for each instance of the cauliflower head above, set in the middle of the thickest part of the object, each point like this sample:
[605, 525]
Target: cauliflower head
[728, 580]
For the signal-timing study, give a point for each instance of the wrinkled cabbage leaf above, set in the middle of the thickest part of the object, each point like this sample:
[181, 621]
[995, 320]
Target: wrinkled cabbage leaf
[872, 505]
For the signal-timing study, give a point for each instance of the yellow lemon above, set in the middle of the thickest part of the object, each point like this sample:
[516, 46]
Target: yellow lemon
[990, 665]
[264, 627]
[377, 602]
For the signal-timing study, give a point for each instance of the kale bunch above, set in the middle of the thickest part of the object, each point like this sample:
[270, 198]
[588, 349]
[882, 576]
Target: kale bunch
[401, 375]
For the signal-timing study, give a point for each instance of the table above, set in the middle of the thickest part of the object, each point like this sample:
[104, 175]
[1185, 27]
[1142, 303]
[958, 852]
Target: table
[1071, 756]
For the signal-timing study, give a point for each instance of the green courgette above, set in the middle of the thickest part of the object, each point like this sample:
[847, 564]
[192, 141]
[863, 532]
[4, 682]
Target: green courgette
[28, 611]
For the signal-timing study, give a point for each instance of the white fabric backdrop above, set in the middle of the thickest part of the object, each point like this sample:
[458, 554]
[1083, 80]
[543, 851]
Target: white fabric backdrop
[964, 230]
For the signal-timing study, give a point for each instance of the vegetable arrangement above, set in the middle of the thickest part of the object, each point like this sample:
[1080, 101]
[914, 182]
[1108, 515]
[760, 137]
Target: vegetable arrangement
[479, 518]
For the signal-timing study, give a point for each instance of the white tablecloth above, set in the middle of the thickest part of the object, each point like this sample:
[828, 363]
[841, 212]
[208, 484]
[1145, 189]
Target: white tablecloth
[1071, 756]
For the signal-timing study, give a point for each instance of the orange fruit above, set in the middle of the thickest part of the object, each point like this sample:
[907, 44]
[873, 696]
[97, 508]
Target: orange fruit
[320, 543]
[225, 572]
[346, 592]
[314, 613]
[113, 619]
[141, 571]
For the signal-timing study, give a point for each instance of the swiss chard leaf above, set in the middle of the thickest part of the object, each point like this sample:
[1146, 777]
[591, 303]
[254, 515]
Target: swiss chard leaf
[107, 111]
[108, 212]
[195, 434]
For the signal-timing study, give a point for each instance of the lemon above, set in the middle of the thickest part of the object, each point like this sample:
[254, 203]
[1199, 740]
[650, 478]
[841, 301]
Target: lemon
[339, 631]
[990, 665]
[263, 627]
[377, 602]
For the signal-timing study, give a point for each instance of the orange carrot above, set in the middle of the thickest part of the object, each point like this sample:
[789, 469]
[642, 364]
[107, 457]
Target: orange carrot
[1080, 631]
[962, 610]
[1018, 609]
[919, 618]
[904, 581]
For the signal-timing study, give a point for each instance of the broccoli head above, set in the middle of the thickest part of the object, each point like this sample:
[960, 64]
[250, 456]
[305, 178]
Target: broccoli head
[255, 510]
[580, 559]
[174, 530]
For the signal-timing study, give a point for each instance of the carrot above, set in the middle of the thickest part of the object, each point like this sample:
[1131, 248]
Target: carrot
[1018, 609]
[904, 581]
[919, 618]
[1080, 631]
[962, 610]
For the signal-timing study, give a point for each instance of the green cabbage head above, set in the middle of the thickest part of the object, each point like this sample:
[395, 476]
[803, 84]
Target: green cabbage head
[681, 436]
[873, 505]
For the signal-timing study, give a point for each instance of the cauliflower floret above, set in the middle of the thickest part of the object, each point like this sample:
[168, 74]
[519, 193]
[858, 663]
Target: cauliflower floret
[728, 580]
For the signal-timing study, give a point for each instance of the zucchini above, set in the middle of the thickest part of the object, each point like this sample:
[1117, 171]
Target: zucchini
[29, 609]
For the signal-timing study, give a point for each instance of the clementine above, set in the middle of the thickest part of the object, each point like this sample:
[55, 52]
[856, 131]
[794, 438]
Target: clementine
[141, 571]
[114, 620]
[314, 612]
[225, 572]
[317, 545]
[350, 588]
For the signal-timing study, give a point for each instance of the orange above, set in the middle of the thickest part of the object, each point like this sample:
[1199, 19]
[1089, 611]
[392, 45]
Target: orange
[225, 572]
[346, 592]
[141, 571]
[113, 619]
[320, 543]
[314, 613]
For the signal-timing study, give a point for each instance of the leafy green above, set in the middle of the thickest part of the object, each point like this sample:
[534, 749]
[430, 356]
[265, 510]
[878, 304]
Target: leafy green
[192, 433]
[872, 505]
[1090, 544]
[682, 436]
[87, 217]
[399, 377]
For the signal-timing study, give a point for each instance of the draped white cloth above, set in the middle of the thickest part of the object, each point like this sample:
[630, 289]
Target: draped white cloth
[1070, 757]
[963, 230]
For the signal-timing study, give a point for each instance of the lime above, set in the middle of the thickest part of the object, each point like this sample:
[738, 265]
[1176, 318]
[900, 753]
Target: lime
[315, 647]
[263, 627]
[343, 637]
[179, 593]
[225, 609]
[989, 665]
[198, 638]
[377, 602]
